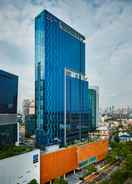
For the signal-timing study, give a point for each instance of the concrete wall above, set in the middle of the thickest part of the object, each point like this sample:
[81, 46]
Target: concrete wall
[20, 169]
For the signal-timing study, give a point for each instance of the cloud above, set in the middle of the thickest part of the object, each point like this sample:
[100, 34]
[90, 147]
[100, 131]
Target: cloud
[110, 53]
[105, 23]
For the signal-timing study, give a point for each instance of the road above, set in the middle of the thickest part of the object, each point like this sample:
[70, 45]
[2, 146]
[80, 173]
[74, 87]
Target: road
[103, 174]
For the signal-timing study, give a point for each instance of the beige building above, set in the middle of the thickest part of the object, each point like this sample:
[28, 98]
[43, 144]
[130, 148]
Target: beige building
[32, 107]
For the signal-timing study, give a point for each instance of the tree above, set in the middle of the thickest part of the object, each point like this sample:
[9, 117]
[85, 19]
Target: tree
[34, 181]
[105, 182]
[118, 177]
[121, 151]
[128, 165]
[60, 181]
[129, 129]
[90, 169]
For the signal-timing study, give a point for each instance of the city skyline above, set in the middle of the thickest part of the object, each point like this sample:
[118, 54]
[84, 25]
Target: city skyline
[107, 27]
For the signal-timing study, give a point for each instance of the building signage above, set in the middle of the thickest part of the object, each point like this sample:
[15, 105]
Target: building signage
[35, 158]
[85, 163]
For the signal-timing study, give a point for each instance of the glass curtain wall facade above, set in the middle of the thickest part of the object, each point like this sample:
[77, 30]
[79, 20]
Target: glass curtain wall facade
[8, 134]
[30, 125]
[92, 109]
[61, 97]
[8, 93]
[8, 108]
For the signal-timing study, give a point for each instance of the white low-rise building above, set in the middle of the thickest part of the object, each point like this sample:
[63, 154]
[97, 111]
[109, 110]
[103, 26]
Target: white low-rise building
[103, 132]
[125, 137]
[20, 169]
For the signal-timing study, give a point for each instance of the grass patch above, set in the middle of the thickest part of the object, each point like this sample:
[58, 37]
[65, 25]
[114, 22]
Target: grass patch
[9, 151]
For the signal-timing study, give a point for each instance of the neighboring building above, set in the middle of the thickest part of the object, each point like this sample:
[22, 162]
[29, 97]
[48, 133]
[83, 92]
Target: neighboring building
[125, 137]
[26, 105]
[32, 107]
[129, 122]
[30, 122]
[93, 108]
[30, 125]
[61, 96]
[8, 108]
[103, 132]
[20, 168]
[19, 118]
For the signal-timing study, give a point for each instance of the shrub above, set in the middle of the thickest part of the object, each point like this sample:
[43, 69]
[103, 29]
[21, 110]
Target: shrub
[60, 181]
[34, 181]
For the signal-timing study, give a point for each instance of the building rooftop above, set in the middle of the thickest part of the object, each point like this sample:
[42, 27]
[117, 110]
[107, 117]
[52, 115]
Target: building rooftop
[10, 151]
[64, 24]
[7, 74]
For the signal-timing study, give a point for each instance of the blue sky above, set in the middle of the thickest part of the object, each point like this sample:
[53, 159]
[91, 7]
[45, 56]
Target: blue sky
[107, 26]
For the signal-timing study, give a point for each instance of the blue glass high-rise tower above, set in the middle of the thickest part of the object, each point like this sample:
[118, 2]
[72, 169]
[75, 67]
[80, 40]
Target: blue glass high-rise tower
[61, 96]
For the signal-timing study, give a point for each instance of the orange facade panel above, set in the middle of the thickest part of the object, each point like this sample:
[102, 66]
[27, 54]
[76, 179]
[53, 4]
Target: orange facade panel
[60, 162]
[97, 149]
[57, 163]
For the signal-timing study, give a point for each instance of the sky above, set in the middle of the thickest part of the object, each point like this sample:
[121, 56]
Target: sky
[107, 26]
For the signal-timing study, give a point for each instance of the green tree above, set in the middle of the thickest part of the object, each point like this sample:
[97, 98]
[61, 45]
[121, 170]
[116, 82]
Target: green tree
[34, 181]
[90, 169]
[129, 129]
[105, 182]
[124, 152]
[119, 177]
[60, 181]
[128, 165]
